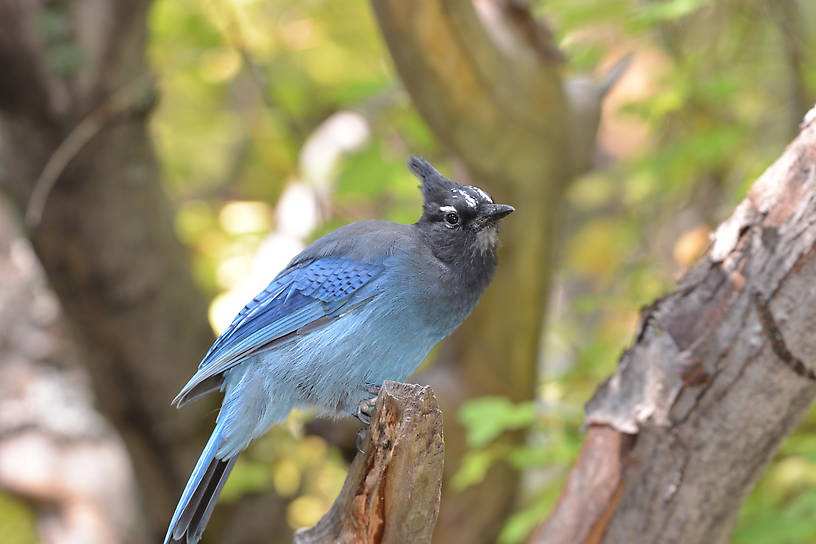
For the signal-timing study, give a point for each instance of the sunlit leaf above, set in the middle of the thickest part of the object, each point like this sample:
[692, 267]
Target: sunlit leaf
[487, 417]
[473, 468]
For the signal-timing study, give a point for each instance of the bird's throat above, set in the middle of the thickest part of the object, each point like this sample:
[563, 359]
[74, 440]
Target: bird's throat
[487, 239]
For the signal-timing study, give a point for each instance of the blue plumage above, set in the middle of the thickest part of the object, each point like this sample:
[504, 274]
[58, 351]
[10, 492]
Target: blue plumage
[361, 305]
[297, 297]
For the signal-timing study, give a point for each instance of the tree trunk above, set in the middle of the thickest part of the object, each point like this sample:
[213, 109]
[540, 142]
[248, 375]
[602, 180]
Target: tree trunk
[77, 161]
[485, 78]
[721, 370]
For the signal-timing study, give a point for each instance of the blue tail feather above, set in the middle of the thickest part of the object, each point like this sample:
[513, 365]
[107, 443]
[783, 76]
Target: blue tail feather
[200, 493]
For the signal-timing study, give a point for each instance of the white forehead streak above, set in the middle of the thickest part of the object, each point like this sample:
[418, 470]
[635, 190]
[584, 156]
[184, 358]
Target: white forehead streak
[469, 200]
[482, 193]
[447, 209]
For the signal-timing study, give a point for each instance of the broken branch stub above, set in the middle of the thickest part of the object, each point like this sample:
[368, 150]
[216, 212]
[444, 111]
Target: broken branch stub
[392, 492]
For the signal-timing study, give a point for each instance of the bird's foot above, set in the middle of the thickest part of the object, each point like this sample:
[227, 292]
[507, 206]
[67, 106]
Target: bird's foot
[365, 410]
[359, 440]
[371, 388]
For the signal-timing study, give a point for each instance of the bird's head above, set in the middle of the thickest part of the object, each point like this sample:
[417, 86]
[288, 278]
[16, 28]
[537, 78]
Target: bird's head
[461, 221]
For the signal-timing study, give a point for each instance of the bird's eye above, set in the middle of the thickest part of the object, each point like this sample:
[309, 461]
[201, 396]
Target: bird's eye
[452, 218]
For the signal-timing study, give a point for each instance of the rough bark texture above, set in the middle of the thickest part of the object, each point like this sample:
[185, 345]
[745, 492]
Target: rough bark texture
[392, 492]
[722, 369]
[74, 146]
[485, 77]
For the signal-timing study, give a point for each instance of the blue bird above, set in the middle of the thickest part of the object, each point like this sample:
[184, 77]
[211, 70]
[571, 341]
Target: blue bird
[363, 304]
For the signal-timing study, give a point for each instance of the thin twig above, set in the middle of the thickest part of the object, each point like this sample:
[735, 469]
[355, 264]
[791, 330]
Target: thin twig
[614, 74]
[128, 95]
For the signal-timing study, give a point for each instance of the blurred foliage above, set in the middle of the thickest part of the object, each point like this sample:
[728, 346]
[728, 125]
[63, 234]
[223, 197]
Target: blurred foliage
[244, 84]
[715, 92]
[17, 523]
[301, 468]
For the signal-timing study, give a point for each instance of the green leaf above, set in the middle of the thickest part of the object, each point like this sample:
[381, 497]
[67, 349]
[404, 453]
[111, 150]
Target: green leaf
[486, 418]
[520, 524]
[665, 11]
[475, 465]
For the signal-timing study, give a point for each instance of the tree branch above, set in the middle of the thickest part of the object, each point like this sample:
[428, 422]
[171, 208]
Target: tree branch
[720, 372]
[470, 79]
[391, 494]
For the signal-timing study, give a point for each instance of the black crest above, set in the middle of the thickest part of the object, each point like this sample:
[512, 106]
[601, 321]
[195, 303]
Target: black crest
[435, 187]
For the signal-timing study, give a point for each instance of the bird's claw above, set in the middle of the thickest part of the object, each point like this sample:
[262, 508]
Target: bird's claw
[371, 388]
[365, 410]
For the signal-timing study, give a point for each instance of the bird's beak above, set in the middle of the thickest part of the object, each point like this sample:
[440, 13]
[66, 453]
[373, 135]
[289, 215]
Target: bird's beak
[494, 212]
[490, 213]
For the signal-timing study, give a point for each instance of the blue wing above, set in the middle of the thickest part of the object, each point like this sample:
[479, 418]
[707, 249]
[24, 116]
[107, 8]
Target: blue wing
[299, 298]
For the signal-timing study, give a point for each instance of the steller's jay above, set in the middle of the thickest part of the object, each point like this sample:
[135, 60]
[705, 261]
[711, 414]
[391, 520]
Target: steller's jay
[363, 304]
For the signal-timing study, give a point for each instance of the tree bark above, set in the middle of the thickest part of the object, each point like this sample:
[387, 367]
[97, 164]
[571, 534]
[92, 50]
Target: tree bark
[721, 370]
[78, 163]
[391, 493]
[485, 77]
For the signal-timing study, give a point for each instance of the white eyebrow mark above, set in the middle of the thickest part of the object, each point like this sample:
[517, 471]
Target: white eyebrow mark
[447, 209]
[469, 200]
[482, 193]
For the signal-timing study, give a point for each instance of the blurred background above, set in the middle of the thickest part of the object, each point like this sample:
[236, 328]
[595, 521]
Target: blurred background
[162, 161]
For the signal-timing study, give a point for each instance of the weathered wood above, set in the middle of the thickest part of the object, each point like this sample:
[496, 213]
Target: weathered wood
[392, 492]
[592, 490]
[722, 369]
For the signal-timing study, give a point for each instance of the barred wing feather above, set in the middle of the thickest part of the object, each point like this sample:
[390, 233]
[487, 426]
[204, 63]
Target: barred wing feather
[298, 297]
